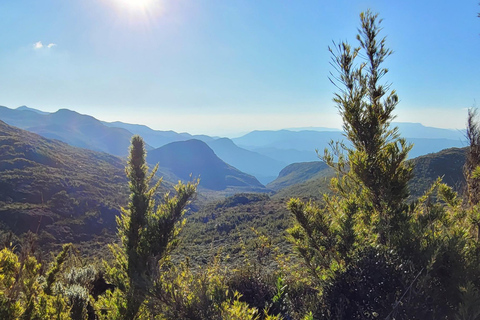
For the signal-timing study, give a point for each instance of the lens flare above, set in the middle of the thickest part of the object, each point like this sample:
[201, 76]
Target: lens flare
[140, 5]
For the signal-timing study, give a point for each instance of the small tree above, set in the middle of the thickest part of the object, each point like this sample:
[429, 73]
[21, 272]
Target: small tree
[372, 174]
[370, 252]
[376, 161]
[471, 169]
[147, 232]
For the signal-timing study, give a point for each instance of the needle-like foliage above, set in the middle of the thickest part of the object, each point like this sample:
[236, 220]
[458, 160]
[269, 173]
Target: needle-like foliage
[147, 232]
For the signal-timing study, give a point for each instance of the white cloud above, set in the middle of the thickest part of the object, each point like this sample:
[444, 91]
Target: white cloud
[39, 45]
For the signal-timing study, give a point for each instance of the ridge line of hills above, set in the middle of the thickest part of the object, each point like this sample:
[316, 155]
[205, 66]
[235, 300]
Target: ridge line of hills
[70, 194]
[261, 153]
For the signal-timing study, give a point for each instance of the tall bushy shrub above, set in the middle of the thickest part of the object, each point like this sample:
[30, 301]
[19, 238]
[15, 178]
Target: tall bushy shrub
[147, 232]
[369, 252]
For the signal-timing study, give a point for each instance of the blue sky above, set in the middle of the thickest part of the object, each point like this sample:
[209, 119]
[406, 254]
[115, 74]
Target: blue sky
[228, 67]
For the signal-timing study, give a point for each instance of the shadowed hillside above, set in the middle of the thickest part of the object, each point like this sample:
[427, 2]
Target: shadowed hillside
[71, 127]
[193, 158]
[264, 168]
[61, 192]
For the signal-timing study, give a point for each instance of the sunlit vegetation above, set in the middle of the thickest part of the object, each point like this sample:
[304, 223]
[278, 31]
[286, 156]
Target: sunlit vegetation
[373, 244]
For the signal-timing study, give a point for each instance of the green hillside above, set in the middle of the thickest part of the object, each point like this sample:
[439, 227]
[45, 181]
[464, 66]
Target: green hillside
[231, 228]
[64, 193]
[447, 164]
[310, 181]
[297, 173]
[225, 226]
[60, 192]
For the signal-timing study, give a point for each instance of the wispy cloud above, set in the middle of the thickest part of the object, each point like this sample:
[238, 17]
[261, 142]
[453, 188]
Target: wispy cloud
[39, 45]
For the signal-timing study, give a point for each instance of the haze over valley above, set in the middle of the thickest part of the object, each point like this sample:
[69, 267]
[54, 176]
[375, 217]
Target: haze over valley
[239, 160]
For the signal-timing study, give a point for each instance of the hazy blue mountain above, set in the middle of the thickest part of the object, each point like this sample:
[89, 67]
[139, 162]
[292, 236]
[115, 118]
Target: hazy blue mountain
[418, 130]
[288, 155]
[407, 130]
[71, 127]
[87, 132]
[264, 168]
[259, 153]
[157, 138]
[285, 139]
[153, 137]
[22, 108]
[194, 158]
[425, 146]
[275, 143]
[313, 129]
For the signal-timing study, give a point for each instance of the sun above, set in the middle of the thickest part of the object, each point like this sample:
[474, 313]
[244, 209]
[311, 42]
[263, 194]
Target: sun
[137, 5]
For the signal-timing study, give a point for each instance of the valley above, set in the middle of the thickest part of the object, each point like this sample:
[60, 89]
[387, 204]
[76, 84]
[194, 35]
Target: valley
[73, 192]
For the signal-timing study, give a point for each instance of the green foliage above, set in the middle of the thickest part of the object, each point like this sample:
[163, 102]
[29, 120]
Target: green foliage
[147, 234]
[372, 176]
[369, 252]
[237, 310]
[469, 308]
[180, 293]
[222, 227]
[22, 294]
[472, 163]
[55, 269]
[376, 163]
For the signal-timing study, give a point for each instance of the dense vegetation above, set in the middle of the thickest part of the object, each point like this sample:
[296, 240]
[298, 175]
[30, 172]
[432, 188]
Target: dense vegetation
[60, 192]
[366, 250]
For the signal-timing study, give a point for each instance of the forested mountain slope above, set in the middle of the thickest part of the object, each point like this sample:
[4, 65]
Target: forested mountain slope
[71, 127]
[60, 192]
[310, 179]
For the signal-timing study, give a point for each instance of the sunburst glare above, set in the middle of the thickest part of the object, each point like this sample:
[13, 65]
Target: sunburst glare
[137, 4]
[138, 7]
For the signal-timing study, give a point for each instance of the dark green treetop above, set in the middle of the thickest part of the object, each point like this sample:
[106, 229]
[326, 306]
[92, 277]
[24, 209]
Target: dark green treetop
[147, 232]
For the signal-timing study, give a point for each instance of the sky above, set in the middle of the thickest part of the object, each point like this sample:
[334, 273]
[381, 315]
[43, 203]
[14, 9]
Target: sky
[227, 67]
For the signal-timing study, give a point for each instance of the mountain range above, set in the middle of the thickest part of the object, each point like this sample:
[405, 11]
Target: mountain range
[73, 194]
[64, 193]
[262, 154]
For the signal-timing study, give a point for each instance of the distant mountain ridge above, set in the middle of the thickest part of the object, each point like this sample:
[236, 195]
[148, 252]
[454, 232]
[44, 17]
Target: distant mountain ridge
[261, 153]
[297, 142]
[87, 132]
[156, 138]
[71, 127]
[194, 158]
[264, 168]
